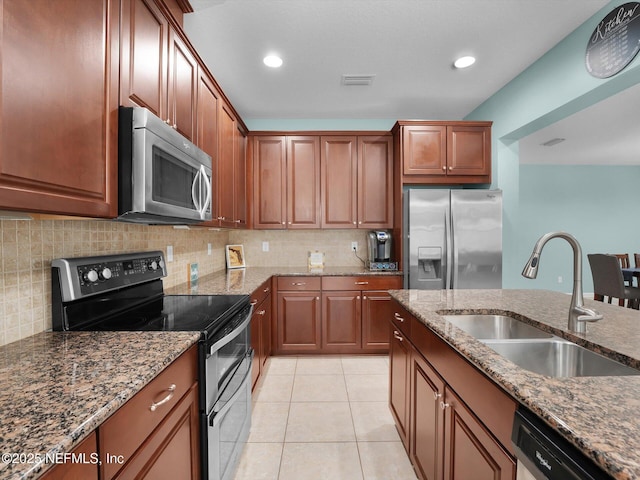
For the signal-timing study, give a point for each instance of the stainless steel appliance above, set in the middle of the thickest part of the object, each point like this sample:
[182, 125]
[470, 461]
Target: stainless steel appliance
[543, 454]
[453, 239]
[380, 248]
[163, 178]
[125, 292]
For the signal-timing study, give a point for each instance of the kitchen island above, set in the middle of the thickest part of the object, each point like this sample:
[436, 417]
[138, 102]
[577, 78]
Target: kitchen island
[600, 415]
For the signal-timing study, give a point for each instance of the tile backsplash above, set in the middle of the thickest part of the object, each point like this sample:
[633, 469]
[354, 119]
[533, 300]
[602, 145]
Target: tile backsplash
[28, 246]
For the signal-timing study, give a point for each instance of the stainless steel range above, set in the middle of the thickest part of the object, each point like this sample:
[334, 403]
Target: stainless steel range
[124, 292]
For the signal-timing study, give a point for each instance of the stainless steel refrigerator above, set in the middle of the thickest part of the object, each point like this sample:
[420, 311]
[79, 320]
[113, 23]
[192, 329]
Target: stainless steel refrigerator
[453, 239]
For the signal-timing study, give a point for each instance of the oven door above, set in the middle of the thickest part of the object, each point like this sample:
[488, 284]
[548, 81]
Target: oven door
[228, 423]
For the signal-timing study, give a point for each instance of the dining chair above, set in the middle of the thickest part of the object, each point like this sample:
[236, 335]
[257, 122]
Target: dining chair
[636, 259]
[623, 258]
[609, 282]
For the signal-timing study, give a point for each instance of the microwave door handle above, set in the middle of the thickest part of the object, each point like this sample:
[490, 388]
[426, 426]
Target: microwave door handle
[194, 193]
[207, 183]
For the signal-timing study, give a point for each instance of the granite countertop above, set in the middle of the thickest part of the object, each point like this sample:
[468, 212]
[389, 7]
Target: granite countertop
[244, 281]
[56, 388]
[600, 415]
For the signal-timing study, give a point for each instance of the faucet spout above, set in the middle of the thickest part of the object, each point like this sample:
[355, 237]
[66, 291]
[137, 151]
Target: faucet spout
[578, 313]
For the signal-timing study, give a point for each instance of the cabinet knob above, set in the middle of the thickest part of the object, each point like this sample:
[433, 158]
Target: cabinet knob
[284, 223]
[261, 312]
[398, 317]
[221, 218]
[238, 221]
[364, 297]
[360, 223]
[397, 336]
[450, 168]
[444, 168]
[354, 223]
[358, 297]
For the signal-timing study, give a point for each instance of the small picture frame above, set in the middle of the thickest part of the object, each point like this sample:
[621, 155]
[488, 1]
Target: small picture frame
[235, 256]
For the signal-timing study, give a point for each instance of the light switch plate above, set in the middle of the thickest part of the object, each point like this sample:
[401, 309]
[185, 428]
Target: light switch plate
[169, 253]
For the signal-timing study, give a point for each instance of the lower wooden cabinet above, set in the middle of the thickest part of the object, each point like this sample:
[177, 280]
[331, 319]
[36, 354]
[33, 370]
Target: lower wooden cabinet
[341, 321]
[298, 326]
[74, 470]
[450, 434]
[260, 330]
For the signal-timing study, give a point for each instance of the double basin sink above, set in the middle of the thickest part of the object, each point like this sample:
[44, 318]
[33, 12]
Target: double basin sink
[536, 350]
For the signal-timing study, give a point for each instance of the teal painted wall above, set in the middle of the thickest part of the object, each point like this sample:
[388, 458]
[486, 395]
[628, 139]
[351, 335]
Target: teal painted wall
[598, 205]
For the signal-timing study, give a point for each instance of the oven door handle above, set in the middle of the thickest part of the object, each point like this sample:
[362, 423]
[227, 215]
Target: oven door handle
[215, 417]
[233, 334]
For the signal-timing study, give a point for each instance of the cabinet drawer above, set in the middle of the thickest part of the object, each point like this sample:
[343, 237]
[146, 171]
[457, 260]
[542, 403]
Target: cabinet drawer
[362, 282]
[260, 293]
[128, 428]
[299, 283]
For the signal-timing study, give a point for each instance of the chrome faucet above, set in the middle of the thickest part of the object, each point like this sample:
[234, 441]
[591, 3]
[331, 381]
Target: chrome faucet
[578, 313]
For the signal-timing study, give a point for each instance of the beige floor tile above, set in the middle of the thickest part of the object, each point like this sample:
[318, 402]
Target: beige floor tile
[367, 388]
[385, 461]
[275, 388]
[282, 365]
[269, 422]
[320, 461]
[319, 365]
[373, 422]
[259, 461]
[374, 365]
[319, 388]
[320, 422]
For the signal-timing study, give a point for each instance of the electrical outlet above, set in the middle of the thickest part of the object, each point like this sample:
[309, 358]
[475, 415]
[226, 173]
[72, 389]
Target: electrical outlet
[265, 246]
[169, 253]
[354, 246]
[208, 249]
[559, 279]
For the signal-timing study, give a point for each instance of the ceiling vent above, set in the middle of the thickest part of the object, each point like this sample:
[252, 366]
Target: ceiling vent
[552, 142]
[357, 80]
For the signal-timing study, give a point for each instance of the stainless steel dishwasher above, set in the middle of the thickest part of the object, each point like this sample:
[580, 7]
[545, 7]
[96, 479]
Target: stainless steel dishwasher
[543, 454]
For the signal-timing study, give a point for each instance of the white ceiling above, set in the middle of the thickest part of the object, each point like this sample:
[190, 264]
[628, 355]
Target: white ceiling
[408, 44]
[607, 133]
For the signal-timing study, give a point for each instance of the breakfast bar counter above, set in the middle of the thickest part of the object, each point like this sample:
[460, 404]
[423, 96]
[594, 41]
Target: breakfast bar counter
[600, 415]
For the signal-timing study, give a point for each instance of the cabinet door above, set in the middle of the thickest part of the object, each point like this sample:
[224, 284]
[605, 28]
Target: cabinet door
[144, 65]
[269, 182]
[303, 182]
[468, 150]
[226, 182]
[58, 134]
[182, 86]
[298, 325]
[207, 133]
[425, 150]
[240, 179]
[339, 183]
[470, 450]
[376, 311]
[77, 470]
[341, 325]
[375, 182]
[427, 420]
[400, 362]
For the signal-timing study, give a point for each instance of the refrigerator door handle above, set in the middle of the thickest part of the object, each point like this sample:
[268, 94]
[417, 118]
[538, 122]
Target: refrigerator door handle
[448, 254]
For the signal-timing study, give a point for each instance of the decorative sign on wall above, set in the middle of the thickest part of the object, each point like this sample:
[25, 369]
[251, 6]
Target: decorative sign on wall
[615, 41]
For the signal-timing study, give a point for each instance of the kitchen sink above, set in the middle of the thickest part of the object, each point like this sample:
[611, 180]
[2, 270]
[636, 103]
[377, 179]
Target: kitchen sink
[556, 357]
[484, 326]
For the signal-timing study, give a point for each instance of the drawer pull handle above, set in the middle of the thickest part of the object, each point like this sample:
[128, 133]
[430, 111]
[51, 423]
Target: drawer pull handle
[397, 336]
[398, 317]
[444, 406]
[254, 303]
[436, 395]
[362, 283]
[298, 284]
[266, 290]
[261, 312]
[171, 390]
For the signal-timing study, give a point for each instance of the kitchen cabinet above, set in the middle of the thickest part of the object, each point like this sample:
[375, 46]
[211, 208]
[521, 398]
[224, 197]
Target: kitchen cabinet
[232, 194]
[376, 308]
[458, 423]
[443, 152]
[298, 324]
[286, 182]
[159, 71]
[58, 137]
[85, 470]
[341, 321]
[357, 181]
[156, 433]
[260, 330]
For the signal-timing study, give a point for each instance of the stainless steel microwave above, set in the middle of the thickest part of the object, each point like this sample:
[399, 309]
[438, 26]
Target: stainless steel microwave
[163, 178]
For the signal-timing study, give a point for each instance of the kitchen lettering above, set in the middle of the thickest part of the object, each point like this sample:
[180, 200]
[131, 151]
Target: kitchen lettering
[606, 27]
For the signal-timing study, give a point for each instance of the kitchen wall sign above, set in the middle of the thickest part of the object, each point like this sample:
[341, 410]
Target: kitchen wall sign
[615, 41]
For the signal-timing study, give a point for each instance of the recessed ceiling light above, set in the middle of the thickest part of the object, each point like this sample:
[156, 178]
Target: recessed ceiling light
[464, 62]
[272, 61]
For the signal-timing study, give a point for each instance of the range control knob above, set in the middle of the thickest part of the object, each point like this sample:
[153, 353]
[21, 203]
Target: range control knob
[153, 265]
[105, 274]
[161, 264]
[91, 276]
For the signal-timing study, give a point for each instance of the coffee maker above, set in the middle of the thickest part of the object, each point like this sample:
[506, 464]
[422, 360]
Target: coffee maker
[380, 245]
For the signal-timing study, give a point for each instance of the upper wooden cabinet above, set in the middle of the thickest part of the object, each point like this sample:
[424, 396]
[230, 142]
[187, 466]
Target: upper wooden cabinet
[357, 181]
[443, 152]
[159, 71]
[286, 182]
[58, 133]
